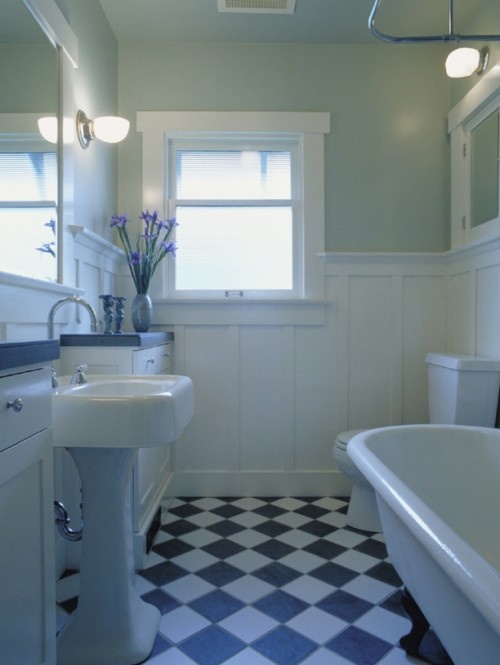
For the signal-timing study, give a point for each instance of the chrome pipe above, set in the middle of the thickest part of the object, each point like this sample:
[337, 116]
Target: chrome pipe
[70, 299]
[63, 521]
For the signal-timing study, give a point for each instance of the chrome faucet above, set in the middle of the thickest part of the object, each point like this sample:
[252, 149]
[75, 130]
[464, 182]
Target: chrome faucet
[79, 378]
[71, 299]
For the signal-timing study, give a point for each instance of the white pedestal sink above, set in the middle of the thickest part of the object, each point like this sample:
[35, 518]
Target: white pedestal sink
[101, 423]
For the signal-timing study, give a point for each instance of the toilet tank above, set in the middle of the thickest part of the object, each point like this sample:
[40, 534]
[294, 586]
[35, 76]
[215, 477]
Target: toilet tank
[463, 390]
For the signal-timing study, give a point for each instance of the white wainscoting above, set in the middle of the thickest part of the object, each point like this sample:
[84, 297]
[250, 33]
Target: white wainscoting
[274, 387]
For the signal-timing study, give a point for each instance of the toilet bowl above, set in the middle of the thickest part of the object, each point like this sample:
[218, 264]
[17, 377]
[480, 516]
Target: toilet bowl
[362, 512]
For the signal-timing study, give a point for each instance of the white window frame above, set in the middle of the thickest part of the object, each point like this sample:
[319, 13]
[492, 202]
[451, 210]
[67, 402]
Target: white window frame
[307, 130]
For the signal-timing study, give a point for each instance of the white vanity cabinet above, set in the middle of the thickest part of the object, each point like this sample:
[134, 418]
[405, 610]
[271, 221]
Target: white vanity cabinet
[148, 353]
[27, 558]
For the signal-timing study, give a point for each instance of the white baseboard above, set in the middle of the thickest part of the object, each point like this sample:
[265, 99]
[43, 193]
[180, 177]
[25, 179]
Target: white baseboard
[260, 483]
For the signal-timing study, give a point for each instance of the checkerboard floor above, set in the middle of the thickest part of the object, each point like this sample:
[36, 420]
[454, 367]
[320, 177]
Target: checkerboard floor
[269, 581]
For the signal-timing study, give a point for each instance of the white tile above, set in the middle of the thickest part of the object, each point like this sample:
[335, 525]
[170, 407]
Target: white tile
[205, 519]
[296, 538]
[200, 537]
[302, 561]
[326, 657]
[67, 587]
[384, 624]
[248, 538]
[169, 657]
[248, 624]
[142, 585]
[207, 503]
[334, 519]
[246, 657]
[398, 657]
[248, 560]
[153, 560]
[368, 588]
[329, 503]
[195, 560]
[356, 561]
[248, 588]
[248, 519]
[308, 589]
[345, 537]
[293, 520]
[317, 625]
[188, 588]
[289, 503]
[181, 623]
[248, 503]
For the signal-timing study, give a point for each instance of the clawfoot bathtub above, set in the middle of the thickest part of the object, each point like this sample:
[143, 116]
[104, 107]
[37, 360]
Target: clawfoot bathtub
[438, 493]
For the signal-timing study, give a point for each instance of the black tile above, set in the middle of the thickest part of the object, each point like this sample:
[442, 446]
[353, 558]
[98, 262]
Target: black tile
[271, 528]
[223, 548]
[211, 646]
[284, 646]
[179, 527]
[393, 603]
[163, 573]
[185, 510]
[69, 605]
[315, 528]
[225, 528]
[373, 548]
[161, 600]
[216, 605]
[220, 573]
[324, 548]
[311, 511]
[344, 606]
[333, 574]
[172, 548]
[269, 511]
[160, 645]
[281, 606]
[274, 549]
[276, 574]
[384, 572]
[358, 646]
[227, 511]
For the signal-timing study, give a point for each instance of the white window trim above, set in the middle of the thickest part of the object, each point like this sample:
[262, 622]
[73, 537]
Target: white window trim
[310, 127]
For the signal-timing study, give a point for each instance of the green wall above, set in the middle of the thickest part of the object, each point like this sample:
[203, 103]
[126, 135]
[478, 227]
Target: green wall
[387, 157]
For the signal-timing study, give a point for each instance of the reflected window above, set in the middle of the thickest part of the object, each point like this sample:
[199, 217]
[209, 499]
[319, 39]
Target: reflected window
[28, 209]
[484, 170]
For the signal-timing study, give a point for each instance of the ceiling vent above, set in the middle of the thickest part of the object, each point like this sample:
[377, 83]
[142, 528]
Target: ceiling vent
[257, 6]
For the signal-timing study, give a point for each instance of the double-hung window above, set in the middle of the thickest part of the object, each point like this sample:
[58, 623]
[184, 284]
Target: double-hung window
[239, 217]
[247, 191]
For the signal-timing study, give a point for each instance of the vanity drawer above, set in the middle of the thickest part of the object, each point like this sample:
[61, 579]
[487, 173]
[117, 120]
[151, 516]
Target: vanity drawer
[153, 360]
[25, 405]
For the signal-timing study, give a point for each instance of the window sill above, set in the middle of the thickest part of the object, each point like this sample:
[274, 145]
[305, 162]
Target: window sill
[240, 311]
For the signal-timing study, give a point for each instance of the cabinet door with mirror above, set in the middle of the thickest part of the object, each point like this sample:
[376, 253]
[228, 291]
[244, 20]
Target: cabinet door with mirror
[28, 162]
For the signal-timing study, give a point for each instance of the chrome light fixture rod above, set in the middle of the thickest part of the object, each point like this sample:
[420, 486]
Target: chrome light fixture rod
[446, 38]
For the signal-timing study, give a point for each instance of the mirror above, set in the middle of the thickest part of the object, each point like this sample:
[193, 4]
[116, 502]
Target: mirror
[28, 163]
[484, 170]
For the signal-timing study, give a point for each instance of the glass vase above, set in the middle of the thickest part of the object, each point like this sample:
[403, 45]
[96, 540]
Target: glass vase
[142, 312]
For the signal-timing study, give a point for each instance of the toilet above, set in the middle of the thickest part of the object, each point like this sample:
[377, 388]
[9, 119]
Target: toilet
[463, 390]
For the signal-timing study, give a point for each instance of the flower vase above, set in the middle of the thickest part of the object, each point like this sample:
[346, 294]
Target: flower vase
[142, 311]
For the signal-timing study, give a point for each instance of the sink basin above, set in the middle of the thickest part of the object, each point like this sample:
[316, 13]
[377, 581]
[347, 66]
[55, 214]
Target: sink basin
[102, 423]
[121, 411]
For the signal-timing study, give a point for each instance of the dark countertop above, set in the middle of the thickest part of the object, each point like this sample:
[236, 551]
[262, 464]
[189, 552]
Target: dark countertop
[17, 354]
[121, 339]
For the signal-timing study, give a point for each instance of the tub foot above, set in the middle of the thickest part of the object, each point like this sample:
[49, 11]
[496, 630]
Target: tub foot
[419, 625]
[411, 643]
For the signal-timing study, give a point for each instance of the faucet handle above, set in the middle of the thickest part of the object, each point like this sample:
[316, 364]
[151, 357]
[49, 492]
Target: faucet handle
[78, 377]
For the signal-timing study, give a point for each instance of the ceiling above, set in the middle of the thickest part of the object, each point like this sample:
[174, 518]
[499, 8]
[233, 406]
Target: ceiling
[314, 21]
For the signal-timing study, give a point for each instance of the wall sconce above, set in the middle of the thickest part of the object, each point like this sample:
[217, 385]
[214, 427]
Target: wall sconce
[47, 126]
[107, 128]
[466, 61]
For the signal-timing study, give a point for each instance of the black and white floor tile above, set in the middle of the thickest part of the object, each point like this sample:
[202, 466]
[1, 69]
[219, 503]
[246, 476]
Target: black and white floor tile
[268, 581]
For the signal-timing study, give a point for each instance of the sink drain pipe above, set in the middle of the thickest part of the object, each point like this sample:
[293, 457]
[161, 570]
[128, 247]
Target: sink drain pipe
[63, 523]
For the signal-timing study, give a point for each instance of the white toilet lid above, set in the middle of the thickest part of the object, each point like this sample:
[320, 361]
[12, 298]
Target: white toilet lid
[344, 437]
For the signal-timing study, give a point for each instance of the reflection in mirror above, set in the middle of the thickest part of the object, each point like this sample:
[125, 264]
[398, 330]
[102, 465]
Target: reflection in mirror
[28, 163]
[484, 170]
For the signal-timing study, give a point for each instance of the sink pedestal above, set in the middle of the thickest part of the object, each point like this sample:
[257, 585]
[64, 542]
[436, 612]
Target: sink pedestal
[112, 625]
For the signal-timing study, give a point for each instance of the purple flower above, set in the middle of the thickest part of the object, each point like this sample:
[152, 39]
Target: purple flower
[46, 248]
[135, 258]
[119, 221]
[168, 247]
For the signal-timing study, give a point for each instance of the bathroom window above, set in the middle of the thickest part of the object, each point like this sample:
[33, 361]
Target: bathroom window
[247, 191]
[238, 211]
[28, 195]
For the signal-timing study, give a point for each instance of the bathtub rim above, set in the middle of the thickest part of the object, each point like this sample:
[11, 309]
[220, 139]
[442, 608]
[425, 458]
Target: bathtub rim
[473, 575]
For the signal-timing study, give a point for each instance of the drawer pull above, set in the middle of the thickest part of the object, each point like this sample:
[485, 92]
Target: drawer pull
[150, 360]
[16, 404]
